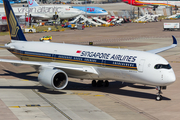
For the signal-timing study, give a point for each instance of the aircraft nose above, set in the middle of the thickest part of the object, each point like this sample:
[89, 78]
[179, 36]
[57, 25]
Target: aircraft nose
[170, 77]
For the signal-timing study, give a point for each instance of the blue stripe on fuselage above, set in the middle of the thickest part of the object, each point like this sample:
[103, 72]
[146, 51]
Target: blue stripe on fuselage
[103, 62]
[90, 9]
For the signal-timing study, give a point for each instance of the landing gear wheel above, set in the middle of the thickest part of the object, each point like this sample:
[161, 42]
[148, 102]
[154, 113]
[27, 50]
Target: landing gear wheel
[159, 97]
[106, 83]
[94, 83]
[100, 83]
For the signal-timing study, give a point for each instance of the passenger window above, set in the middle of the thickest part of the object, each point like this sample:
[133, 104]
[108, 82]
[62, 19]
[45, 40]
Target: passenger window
[162, 66]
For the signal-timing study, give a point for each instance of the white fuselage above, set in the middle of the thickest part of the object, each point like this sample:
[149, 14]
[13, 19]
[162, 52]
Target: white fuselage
[46, 12]
[177, 3]
[111, 64]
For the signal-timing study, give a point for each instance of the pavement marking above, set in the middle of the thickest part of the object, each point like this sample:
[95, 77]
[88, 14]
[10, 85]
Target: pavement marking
[35, 105]
[52, 105]
[14, 106]
[174, 61]
[99, 95]
[131, 107]
[3, 67]
[74, 93]
[27, 106]
[25, 80]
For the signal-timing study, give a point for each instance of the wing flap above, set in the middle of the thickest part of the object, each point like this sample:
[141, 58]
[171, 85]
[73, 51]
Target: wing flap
[155, 51]
[84, 69]
[79, 68]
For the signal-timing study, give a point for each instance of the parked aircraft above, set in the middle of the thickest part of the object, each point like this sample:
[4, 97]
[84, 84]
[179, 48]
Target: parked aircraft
[91, 11]
[11, 1]
[152, 3]
[46, 12]
[55, 62]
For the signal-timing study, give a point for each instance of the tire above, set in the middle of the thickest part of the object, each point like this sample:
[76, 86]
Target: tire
[99, 83]
[94, 83]
[158, 98]
[106, 83]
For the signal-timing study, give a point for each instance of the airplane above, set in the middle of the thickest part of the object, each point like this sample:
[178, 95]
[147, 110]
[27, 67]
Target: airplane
[155, 4]
[11, 1]
[55, 62]
[91, 11]
[46, 12]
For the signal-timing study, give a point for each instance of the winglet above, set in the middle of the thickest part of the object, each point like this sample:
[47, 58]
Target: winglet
[174, 40]
[155, 51]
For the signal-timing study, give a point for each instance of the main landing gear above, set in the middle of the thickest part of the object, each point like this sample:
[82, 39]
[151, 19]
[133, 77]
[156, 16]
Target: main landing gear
[100, 83]
[159, 96]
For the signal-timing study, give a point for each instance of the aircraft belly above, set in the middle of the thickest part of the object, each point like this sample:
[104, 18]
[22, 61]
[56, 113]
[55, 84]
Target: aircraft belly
[114, 74]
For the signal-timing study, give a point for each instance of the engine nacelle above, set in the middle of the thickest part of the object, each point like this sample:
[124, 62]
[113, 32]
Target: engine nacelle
[53, 78]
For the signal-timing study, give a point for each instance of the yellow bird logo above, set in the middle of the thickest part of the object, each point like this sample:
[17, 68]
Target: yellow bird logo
[13, 24]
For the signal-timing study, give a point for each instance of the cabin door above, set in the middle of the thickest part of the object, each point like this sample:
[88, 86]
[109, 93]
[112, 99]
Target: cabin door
[103, 64]
[54, 55]
[141, 65]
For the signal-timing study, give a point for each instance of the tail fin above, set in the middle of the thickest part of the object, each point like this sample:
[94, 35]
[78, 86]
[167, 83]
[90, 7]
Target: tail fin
[13, 25]
[32, 3]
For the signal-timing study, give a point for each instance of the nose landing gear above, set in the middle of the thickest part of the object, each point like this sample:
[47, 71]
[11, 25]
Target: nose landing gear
[159, 96]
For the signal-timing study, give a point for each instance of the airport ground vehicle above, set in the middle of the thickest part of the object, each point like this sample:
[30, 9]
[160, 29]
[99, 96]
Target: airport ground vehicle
[171, 26]
[48, 23]
[48, 37]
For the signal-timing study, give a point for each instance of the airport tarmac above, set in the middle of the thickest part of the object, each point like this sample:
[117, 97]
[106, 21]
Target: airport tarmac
[23, 98]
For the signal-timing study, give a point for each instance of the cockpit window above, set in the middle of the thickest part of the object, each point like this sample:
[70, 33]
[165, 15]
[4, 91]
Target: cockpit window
[162, 66]
[104, 10]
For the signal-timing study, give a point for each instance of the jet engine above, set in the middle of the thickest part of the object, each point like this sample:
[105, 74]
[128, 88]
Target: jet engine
[53, 78]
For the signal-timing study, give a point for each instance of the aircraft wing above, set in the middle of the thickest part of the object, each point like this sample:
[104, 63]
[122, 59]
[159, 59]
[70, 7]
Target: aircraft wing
[155, 51]
[76, 68]
[5, 47]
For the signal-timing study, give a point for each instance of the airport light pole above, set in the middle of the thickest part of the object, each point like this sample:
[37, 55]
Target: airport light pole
[131, 7]
[28, 12]
[25, 19]
[86, 8]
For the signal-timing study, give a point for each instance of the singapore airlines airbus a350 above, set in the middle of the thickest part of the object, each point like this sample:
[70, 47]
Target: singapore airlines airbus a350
[55, 62]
